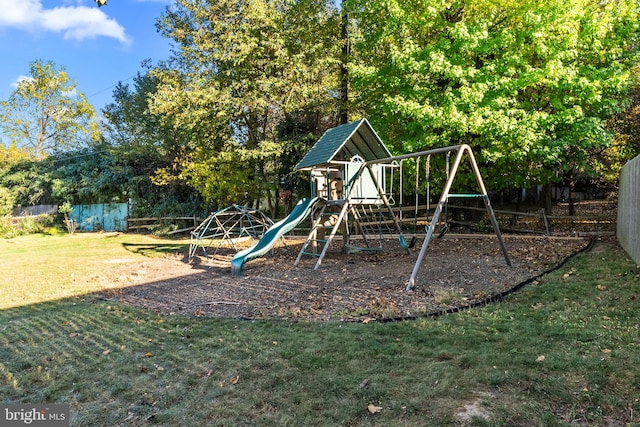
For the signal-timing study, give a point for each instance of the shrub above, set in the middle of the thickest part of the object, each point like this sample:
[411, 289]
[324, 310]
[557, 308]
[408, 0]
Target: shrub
[7, 201]
[14, 226]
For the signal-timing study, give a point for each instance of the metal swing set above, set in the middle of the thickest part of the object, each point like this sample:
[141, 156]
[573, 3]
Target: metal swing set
[349, 204]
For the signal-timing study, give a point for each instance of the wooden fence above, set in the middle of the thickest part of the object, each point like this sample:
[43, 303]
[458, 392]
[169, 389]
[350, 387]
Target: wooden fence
[628, 229]
[35, 210]
[539, 222]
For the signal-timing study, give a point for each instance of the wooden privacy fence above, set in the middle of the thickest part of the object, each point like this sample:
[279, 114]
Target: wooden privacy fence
[35, 210]
[628, 229]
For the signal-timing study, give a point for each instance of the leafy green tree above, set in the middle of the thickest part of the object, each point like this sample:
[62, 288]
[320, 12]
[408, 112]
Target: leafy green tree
[87, 176]
[626, 141]
[147, 150]
[45, 114]
[241, 74]
[528, 84]
[11, 155]
[29, 182]
[118, 169]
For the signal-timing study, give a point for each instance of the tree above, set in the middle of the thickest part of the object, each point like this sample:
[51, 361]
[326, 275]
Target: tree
[10, 158]
[529, 84]
[626, 141]
[29, 182]
[241, 74]
[11, 155]
[45, 114]
[149, 150]
[7, 201]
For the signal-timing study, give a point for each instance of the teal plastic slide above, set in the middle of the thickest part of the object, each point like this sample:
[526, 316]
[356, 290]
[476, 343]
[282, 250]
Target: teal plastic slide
[271, 236]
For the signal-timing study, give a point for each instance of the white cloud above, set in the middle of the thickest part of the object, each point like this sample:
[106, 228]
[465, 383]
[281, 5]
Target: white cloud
[73, 22]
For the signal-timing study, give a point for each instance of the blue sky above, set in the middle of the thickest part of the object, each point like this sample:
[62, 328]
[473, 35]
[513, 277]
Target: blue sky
[98, 46]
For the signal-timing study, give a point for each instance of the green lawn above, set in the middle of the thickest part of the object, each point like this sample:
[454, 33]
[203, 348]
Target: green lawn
[563, 351]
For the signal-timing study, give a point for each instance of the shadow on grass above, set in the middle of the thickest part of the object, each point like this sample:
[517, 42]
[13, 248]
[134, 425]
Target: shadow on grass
[155, 250]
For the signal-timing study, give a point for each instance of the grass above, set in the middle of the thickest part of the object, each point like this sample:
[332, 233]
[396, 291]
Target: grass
[39, 268]
[563, 351]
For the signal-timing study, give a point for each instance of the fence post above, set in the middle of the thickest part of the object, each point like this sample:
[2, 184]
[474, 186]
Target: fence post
[544, 218]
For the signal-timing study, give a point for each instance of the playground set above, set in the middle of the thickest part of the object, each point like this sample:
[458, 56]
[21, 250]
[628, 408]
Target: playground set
[354, 185]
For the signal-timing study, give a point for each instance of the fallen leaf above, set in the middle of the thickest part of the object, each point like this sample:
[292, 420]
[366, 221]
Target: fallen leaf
[364, 383]
[606, 350]
[106, 352]
[540, 358]
[367, 320]
[148, 354]
[374, 409]
[235, 380]
[606, 318]
[601, 287]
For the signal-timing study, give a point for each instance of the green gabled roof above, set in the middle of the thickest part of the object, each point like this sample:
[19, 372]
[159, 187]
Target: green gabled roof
[349, 139]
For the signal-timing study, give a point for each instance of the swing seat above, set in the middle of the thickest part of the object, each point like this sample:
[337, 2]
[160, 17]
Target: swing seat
[443, 230]
[411, 244]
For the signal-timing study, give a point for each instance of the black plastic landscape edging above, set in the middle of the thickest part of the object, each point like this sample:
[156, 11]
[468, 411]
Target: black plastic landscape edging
[493, 298]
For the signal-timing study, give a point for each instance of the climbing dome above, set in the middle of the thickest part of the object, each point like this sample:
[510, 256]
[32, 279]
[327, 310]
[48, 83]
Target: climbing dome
[227, 227]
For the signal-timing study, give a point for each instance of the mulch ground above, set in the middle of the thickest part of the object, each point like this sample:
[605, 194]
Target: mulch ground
[456, 272]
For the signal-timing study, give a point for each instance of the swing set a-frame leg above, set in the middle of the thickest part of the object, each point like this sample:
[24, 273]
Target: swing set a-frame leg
[443, 200]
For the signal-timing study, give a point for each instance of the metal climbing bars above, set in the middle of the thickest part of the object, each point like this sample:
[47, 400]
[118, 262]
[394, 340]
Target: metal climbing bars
[227, 226]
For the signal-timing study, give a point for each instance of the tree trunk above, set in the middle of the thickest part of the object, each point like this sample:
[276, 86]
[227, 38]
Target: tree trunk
[344, 77]
[273, 203]
[572, 187]
[546, 201]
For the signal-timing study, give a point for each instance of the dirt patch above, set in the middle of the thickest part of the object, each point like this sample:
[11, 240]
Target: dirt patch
[359, 286]
[474, 409]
